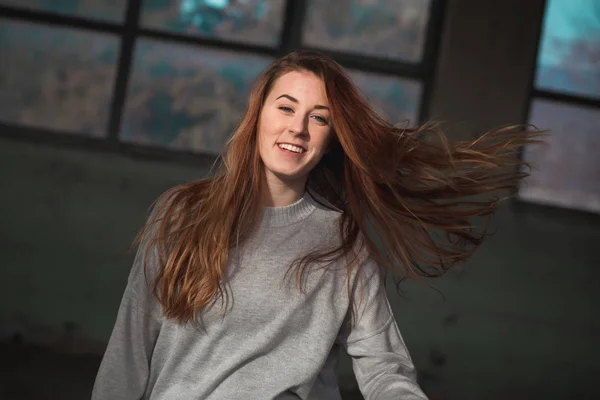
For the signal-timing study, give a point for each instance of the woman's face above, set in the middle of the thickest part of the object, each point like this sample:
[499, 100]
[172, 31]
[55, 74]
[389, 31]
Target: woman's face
[294, 128]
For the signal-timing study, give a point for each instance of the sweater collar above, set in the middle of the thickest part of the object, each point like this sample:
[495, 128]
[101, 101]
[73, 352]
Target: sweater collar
[287, 215]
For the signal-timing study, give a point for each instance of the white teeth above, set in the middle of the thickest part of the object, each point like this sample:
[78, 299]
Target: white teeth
[289, 147]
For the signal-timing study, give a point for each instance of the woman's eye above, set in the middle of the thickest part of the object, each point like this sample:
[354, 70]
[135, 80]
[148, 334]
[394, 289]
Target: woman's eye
[285, 109]
[320, 119]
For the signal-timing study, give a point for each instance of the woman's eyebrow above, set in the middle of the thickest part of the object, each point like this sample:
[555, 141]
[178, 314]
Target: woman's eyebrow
[295, 100]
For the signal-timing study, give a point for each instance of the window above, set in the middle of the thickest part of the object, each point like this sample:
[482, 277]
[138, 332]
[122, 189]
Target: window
[252, 21]
[392, 29]
[173, 76]
[187, 98]
[103, 10]
[57, 77]
[566, 101]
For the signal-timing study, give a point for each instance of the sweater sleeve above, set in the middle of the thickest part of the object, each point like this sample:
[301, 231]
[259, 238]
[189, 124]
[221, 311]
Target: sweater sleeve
[125, 367]
[381, 362]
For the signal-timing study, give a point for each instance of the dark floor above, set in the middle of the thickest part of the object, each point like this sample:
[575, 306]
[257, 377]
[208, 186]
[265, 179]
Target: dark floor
[30, 372]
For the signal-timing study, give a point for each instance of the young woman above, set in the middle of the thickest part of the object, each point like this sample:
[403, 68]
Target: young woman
[248, 284]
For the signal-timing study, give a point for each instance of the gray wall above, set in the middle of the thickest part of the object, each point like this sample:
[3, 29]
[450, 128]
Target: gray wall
[485, 64]
[517, 321]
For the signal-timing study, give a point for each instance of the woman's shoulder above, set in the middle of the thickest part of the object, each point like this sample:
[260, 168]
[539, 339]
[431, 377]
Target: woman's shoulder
[325, 210]
[325, 218]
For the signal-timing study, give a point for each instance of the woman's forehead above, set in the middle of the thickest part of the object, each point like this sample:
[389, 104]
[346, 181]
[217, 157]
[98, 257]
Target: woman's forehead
[301, 85]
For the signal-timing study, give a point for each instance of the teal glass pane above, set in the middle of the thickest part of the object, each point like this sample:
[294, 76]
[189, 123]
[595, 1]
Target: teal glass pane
[105, 10]
[185, 97]
[56, 78]
[396, 99]
[566, 169]
[570, 48]
[392, 29]
[256, 22]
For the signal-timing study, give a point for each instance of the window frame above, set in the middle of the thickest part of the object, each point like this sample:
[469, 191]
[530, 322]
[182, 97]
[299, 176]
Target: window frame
[130, 30]
[549, 95]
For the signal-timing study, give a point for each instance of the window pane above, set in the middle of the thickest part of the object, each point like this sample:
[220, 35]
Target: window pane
[570, 48]
[185, 97]
[566, 170]
[106, 10]
[56, 78]
[394, 29]
[252, 21]
[396, 99]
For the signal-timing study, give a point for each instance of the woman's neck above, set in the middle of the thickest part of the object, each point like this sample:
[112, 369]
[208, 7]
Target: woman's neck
[277, 193]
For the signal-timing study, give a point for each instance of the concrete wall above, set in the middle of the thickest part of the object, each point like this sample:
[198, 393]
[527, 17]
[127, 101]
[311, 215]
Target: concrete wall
[515, 322]
[485, 64]
[68, 217]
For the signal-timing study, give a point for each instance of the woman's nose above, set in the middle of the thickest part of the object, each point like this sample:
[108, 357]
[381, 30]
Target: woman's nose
[299, 124]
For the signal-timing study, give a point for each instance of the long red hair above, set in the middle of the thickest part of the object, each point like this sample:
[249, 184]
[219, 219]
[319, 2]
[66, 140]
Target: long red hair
[399, 187]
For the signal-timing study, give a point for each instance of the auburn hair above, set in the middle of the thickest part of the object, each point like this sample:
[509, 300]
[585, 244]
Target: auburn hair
[397, 187]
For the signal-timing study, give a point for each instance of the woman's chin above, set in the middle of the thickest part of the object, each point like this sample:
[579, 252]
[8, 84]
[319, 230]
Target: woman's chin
[289, 177]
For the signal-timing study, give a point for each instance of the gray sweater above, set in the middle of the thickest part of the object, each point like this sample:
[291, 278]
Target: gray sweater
[273, 342]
